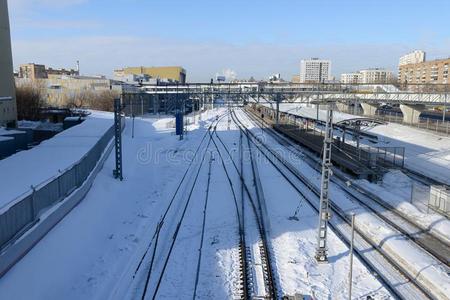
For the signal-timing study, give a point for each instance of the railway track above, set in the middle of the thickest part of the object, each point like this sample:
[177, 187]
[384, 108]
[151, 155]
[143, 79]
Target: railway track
[252, 207]
[151, 277]
[399, 282]
[244, 265]
[418, 234]
[145, 270]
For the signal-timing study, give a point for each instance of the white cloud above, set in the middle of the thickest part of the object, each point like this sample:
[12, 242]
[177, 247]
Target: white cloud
[103, 54]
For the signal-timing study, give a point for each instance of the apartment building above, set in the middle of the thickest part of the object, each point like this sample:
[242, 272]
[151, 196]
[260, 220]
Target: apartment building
[315, 70]
[368, 76]
[351, 78]
[415, 57]
[435, 71]
[8, 110]
[376, 75]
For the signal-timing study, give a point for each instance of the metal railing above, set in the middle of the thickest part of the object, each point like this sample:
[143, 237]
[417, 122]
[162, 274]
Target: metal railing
[26, 210]
[5, 98]
[434, 125]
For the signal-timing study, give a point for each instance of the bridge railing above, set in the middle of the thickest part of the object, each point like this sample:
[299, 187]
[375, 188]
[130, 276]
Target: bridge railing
[435, 125]
[26, 210]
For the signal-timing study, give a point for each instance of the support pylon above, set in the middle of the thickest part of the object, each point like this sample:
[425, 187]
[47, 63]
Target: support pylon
[324, 214]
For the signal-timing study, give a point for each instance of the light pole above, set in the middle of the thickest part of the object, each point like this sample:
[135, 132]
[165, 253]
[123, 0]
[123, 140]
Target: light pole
[350, 279]
[278, 99]
[445, 108]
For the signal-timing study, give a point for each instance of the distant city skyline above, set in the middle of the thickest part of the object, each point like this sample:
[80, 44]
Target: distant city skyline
[250, 38]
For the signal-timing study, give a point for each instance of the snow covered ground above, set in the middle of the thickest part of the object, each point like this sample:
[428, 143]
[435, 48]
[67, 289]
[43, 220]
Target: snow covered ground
[89, 253]
[34, 166]
[293, 229]
[425, 152]
[396, 189]
[419, 262]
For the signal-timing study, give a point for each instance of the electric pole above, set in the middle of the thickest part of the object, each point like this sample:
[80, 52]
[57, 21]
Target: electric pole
[117, 172]
[324, 214]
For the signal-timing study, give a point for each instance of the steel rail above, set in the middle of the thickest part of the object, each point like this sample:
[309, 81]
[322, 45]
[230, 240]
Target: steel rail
[381, 264]
[272, 287]
[411, 230]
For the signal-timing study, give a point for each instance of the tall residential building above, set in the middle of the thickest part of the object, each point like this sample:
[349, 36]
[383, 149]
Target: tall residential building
[315, 70]
[414, 57]
[435, 71]
[174, 74]
[8, 110]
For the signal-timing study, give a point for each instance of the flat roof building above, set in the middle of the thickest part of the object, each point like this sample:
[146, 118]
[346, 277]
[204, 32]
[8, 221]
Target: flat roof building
[351, 78]
[36, 71]
[56, 73]
[315, 70]
[414, 57]
[32, 71]
[376, 75]
[368, 76]
[434, 71]
[175, 74]
[8, 109]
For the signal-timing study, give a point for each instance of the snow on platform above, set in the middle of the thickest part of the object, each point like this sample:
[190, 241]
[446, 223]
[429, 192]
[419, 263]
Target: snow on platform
[5, 138]
[425, 152]
[5, 132]
[396, 189]
[37, 165]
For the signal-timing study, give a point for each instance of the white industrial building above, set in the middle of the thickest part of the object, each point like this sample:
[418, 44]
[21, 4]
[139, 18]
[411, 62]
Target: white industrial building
[315, 70]
[375, 75]
[8, 111]
[351, 78]
[414, 57]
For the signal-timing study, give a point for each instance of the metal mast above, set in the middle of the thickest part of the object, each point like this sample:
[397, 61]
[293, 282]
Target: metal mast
[324, 214]
[118, 138]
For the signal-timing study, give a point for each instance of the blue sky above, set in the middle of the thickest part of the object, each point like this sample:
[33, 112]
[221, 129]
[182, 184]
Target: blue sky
[252, 38]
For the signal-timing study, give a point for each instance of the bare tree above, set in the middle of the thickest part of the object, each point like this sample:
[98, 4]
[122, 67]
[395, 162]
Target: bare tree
[98, 100]
[103, 100]
[29, 100]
